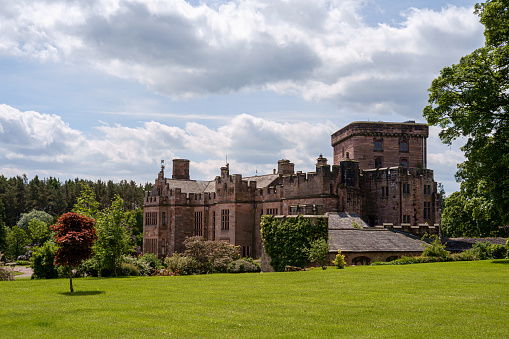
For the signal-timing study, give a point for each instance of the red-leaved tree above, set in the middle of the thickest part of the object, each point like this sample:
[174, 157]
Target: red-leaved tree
[75, 235]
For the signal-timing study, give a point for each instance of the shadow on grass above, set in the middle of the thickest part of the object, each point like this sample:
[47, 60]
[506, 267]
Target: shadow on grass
[501, 261]
[81, 293]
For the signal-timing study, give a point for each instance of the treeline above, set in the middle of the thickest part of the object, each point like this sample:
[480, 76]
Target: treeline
[20, 195]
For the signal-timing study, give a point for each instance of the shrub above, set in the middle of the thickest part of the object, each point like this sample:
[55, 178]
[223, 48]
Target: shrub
[151, 260]
[481, 249]
[43, 259]
[436, 249]
[468, 255]
[243, 266]
[339, 262]
[5, 273]
[89, 268]
[181, 263]
[23, 262]
[129, 269]
[497, 251]
[142, 266]
[319, 252]
[211, 256]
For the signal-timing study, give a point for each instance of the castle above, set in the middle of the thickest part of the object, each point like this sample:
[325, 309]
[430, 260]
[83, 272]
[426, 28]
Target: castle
[378, 174]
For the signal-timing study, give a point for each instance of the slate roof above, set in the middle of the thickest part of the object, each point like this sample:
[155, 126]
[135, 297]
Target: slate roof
[193, 186]
[462, 244]
[373, 240]
[344, 220]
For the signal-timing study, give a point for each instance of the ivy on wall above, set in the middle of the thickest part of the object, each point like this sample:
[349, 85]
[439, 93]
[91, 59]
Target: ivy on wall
[286, 240]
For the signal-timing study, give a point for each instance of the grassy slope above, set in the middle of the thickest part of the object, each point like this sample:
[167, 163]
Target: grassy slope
[439, 300]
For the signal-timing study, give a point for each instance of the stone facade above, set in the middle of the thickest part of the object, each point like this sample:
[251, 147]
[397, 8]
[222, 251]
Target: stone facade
[229, 208]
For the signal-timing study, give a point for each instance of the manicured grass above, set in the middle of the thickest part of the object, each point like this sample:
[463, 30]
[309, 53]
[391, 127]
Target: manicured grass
[438, 300]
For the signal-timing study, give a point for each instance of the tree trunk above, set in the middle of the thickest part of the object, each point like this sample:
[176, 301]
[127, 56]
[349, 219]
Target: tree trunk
[70, 278]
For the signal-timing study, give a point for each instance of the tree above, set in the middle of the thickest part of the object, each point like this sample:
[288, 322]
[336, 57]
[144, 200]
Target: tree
[319, 252]
[471, 100]
[114, 236]
[39, 231]
[86, 203]
[75, 235]
[34, 214]
[3, 229]
[17, 239]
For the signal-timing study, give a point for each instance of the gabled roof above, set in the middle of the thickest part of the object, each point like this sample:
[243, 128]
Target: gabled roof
[262, 181]
[373, 240]
[191, 186]
[347, 220]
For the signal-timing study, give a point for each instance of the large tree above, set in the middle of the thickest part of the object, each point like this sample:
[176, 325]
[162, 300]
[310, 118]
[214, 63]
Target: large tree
[75, 235]
[471, 100]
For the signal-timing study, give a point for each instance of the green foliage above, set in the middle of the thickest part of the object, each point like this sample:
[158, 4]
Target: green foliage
[43, 259]
[113, 237]
[151, 260]
[246, 265]
[181, 264]
[86, 203]
[486, 250]
[469, 100]
[339, 262]
[129, 269]
[25, 219]
[285, 240]
[17, 240]
[436, 249]
[39, 231]
[211, 256]
[3, 229]
[5, 273]
[319, 252]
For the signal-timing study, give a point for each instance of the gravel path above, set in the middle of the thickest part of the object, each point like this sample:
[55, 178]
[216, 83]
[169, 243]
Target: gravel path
[27, 271]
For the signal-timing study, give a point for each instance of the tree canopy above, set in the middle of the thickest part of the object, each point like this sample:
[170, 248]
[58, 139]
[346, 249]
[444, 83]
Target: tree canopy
[471, 100]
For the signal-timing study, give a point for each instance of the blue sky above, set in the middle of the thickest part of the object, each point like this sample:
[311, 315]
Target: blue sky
[107, 88]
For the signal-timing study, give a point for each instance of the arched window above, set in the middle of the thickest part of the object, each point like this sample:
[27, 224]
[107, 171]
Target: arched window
[403, 146]
[361, 261]
[378, 162]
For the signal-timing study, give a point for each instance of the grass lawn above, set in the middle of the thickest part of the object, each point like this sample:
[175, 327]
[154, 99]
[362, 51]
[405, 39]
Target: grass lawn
[438, 300]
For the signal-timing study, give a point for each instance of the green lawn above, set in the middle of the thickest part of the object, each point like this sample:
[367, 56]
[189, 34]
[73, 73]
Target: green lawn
[438, 300]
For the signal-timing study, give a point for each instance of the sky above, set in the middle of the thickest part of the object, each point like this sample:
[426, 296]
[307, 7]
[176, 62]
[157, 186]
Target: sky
[106, 89]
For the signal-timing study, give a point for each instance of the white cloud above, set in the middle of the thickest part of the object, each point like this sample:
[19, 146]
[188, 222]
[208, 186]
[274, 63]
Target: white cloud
[321, 50]
[42, 143]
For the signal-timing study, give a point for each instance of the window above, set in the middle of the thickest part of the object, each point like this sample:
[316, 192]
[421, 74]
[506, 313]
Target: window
[427, 189]
[245, 251]
[427, 210]
[378, 162]
[163, 217]
[214, 225]
[151, 218]
[272, 211]
[385, 191]
[198, 224]
[361, 261]
[378, 145]
[403, 146]
[225, 220]
[406, 219]
[406, 188]
[403, 162]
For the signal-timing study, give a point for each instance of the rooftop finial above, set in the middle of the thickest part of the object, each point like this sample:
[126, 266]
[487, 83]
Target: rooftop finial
[162, 165]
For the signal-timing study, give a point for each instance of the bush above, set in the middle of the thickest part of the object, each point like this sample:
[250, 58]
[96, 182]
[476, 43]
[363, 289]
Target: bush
[142, 266]
[468, 255]
[6, 274]
[211, 256]
[486, 250]
[319, 252]
[23, 262]
[89, 268]
[436, 249]
[43, 259]
[181, 264]
[339, 262]
[151, 260]
[129, 269]
[243, 266]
